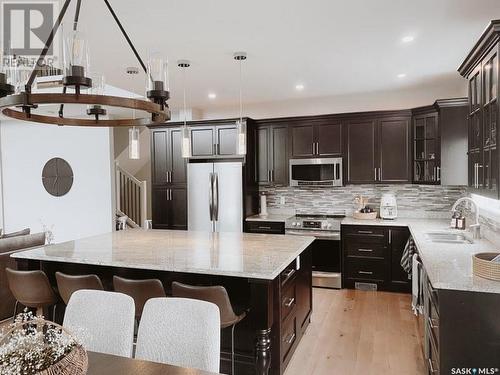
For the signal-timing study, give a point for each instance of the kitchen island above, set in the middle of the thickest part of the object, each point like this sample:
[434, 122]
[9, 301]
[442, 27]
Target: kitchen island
[267, 275]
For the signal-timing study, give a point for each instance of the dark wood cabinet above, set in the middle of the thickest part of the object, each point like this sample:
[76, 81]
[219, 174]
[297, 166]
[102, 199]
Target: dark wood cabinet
[361, 152]
[218, 140]
[169, 190]
[272, 154]
[372, 255]
[481, 68]
[168, 165]
[322, 139]
[378, 149]
[267, 227]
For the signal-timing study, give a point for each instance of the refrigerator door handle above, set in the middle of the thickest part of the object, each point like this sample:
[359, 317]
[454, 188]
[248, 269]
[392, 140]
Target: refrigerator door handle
[216, 197]
[211, 196]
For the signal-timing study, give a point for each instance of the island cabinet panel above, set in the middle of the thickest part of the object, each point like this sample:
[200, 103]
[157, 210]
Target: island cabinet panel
[461, 330]
[272, 154]
[372, 255]
[316, 138]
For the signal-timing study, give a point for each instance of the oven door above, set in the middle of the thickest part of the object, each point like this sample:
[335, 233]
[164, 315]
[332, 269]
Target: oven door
[316, 172]
[326, 258]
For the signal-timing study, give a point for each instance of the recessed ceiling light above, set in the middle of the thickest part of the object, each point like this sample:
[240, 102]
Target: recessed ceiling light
[212, 95]
[299, 87]
[401, 75]
[408, 39]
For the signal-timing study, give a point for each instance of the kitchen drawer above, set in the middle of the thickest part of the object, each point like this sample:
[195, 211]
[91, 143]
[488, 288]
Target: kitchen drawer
[288, 338]
[288, 275]
[366, 269]
[433, 296]
[288, 299]
[366, 230]
[433, 324]
[433, 363]
[269, 227]
[355, 247]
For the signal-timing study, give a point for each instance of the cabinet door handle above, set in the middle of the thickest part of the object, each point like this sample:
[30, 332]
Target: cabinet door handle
[390, 236]
[170, 190]
[375, 174]
[290, 338]
[365, 272]
[365, 232]
[262, 227]
[289, 302]
[272, 175]
[366, 250]
[432, 370]
[314, 148]
[432, 323]
[438, 169]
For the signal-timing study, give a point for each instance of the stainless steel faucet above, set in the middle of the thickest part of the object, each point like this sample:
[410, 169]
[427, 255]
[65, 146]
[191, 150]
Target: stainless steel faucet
[476, 227]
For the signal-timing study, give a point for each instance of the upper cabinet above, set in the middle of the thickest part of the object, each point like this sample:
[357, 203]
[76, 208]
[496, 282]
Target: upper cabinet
[481, 69]
[272, 154]
[310, 139]
[378, 150]
[168, 165]
[218, 140]
[440, 143]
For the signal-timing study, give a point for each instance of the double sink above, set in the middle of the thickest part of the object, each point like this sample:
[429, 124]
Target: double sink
[449, 237]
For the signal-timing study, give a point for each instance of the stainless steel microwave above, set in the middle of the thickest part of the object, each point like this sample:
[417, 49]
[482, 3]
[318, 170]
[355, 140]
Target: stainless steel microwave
[316, 172]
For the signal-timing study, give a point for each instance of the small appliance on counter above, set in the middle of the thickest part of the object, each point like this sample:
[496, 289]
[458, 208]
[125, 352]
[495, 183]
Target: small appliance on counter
[388, 207]
[263, 205]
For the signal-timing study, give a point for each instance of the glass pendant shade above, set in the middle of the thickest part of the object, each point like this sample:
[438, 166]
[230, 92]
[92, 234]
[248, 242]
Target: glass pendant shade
[133, 144]
[241, 139]
[186, 142]
[98, 84]
[157, 73]
[76, 54]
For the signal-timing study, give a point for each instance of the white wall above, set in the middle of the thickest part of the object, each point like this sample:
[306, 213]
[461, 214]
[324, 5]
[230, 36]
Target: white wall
[422, 94]
[87, 209]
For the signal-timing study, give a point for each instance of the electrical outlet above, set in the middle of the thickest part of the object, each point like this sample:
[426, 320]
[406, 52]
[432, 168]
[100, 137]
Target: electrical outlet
[282, 201]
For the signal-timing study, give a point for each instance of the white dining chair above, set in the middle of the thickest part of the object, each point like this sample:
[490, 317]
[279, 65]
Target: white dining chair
[103, 321]
[180, 331]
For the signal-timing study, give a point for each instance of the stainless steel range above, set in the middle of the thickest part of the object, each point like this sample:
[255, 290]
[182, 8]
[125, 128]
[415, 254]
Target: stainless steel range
[326, 251]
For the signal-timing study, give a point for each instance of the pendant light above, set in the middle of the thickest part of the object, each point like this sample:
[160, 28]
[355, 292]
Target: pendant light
[186, 136]
[134, 148]
[241, 127]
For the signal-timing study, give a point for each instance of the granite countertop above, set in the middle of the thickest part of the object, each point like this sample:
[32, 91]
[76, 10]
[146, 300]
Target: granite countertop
[272, 217]
[260, 256]
[449, 266]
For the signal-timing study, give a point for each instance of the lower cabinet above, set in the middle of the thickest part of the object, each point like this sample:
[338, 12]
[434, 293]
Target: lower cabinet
[461, 330]
[169, 207]
[372, 255]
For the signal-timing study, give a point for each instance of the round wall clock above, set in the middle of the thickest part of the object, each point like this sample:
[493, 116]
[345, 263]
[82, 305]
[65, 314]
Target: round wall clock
[57, 177]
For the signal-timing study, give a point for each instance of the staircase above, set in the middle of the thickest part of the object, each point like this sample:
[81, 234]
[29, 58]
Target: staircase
[131, 198]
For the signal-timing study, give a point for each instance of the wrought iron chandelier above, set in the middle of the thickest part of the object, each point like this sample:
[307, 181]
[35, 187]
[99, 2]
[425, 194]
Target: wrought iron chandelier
[21, 105]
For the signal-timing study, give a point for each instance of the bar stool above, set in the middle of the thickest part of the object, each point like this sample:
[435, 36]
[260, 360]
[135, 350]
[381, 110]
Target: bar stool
[31, 289]
[68, 284]
[139, 290]
[217, 295]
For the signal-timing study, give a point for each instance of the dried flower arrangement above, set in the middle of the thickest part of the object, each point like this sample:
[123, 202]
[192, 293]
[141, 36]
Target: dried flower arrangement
[32, 345]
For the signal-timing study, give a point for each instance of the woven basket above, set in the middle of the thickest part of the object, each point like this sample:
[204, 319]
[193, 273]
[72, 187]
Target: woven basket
[365, 215]
[482, 266]
[73, 363]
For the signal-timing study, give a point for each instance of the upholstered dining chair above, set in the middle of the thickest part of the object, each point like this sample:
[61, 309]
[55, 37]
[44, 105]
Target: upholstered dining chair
[216, 294]
[180, 331]
[104, 321]
[31, 289]
[68, 284]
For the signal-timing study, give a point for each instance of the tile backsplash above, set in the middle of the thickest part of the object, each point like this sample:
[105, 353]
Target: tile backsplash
[413, 200]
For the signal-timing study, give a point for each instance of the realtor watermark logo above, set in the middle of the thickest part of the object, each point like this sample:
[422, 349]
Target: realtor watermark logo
[474, 371]
[26, 26]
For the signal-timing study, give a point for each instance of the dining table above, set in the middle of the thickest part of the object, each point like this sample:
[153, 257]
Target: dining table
[103, 364]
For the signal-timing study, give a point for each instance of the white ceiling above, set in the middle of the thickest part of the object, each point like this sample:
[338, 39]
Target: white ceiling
[332, 47]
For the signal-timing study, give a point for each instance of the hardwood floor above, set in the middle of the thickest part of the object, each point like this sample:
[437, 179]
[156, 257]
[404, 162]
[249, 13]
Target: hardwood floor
[358, 332]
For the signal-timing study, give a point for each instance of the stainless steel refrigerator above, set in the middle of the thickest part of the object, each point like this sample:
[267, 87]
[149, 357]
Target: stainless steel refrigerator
[215, 196]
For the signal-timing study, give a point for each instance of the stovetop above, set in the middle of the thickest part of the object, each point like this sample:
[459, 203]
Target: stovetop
[322, 222]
